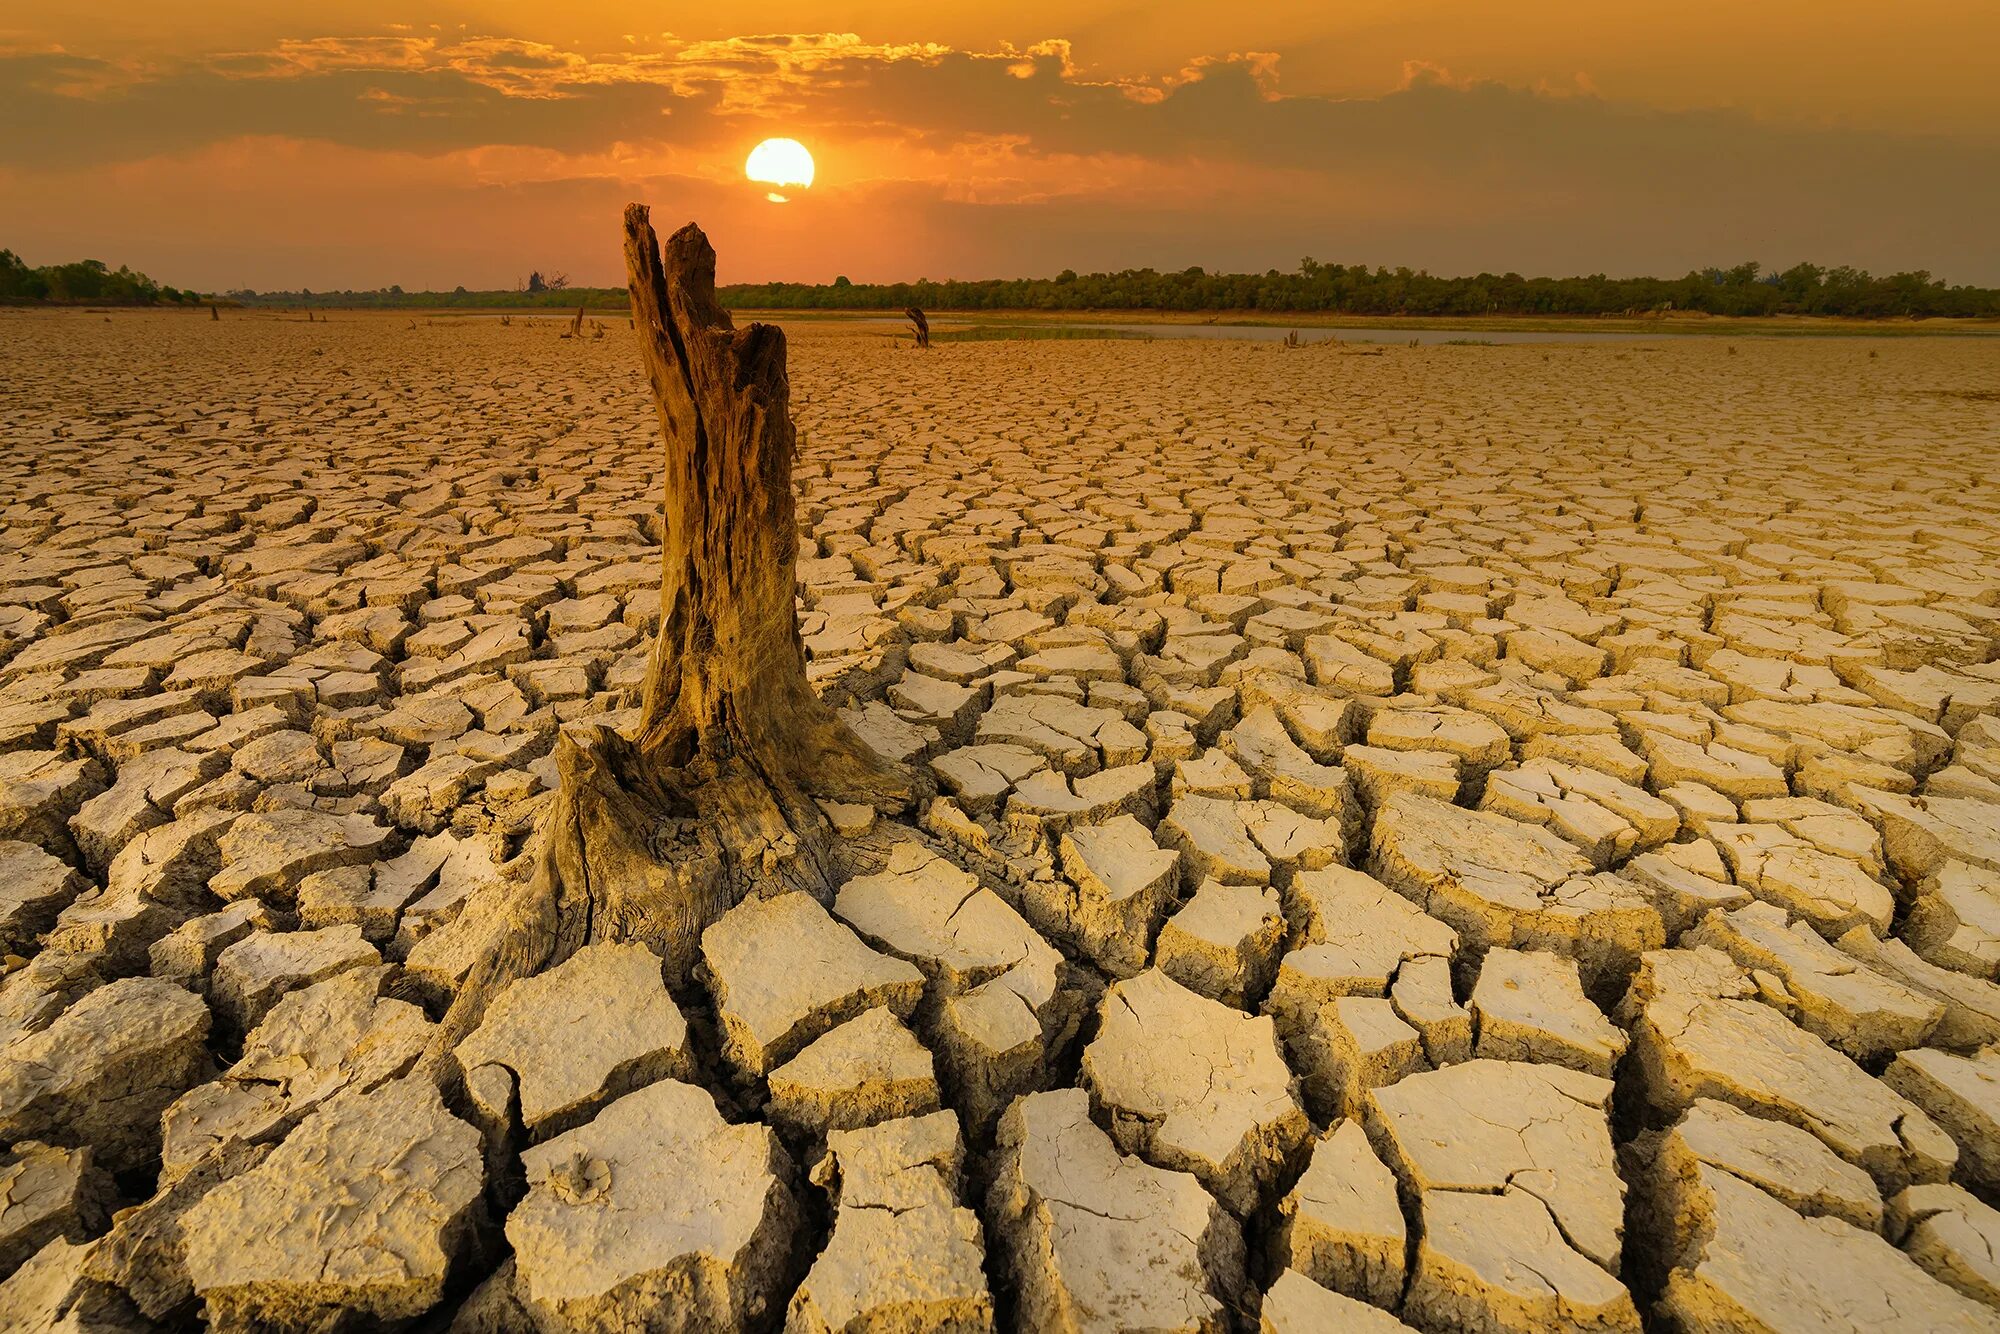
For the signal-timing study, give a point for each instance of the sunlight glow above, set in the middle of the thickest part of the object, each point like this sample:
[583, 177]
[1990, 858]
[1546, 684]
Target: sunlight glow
[779, 163]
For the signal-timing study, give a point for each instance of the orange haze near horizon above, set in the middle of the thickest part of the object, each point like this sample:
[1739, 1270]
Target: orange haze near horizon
[235, 144]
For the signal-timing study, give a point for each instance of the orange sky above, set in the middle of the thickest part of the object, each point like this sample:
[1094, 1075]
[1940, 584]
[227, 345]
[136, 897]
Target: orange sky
[439, 143]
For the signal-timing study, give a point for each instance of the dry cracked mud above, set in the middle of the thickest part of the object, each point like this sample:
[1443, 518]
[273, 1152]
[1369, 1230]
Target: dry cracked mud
[1454, 838]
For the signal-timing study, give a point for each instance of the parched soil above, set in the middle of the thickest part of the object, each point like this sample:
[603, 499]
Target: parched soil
[1458, 838]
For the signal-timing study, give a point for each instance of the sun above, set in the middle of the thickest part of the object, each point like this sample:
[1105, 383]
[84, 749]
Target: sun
[779, 163]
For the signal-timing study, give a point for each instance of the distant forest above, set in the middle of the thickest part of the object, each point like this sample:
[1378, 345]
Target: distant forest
[1339, 289]
[1803, 289]
[87, 282]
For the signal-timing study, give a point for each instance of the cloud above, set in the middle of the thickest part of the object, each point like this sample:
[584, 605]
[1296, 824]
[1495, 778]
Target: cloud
[380, 98]
[1008, 160]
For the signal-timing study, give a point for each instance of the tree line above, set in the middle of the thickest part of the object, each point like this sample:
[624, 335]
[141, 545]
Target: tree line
[87, 282]
[1339, 289]
[1745, 290]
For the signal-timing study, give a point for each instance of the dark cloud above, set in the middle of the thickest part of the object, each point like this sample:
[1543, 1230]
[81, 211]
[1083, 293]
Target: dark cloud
[1496, 177]
[393, 107]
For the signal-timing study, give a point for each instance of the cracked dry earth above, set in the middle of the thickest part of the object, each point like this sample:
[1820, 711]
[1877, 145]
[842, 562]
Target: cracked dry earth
[1464, 839]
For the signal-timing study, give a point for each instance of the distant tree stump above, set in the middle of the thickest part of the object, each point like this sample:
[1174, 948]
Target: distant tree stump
[655, 833]
[923, 326]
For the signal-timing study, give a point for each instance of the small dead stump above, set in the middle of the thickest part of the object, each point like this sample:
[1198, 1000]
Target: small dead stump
[922, 325]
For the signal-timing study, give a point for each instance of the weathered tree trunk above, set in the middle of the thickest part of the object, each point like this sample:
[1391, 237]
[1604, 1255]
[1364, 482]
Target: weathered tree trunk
[654, 833]
[922, 325]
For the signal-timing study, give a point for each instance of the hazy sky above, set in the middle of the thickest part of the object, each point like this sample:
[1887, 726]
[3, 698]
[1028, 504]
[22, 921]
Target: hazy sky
[232, 143]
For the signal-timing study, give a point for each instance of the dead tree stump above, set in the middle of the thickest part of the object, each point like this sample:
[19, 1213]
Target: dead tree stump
[655, 832]
[922, 325]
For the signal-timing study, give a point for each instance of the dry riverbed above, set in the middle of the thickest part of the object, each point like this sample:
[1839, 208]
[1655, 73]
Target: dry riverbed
[1461, 838]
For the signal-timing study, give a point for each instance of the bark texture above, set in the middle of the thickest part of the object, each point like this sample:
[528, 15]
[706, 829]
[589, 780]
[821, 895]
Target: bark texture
[655, 832]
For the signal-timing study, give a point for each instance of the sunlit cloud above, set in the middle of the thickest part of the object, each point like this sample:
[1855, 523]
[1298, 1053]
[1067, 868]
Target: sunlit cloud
[958, 160]
[302, 57]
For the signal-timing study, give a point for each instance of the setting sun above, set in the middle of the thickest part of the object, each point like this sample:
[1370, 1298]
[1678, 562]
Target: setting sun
[779, 163]
[1509, 493]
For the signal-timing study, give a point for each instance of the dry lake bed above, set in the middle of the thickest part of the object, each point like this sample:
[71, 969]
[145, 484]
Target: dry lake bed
[1467, 838]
